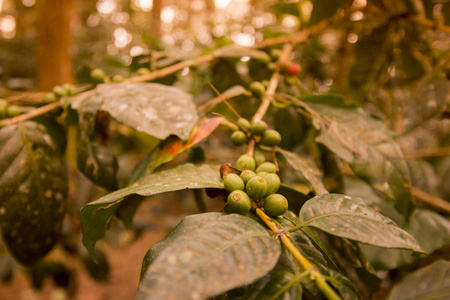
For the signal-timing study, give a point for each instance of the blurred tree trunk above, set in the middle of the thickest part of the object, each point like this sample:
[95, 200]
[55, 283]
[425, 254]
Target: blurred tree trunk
[156, 18]
[54, 64]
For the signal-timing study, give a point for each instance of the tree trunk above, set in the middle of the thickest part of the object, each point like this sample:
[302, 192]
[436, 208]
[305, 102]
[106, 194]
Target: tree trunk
[54, 64]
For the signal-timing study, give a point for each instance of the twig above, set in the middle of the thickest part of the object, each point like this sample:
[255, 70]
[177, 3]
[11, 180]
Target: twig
[431, 200]
[300, 36]
[269, 94]
[429, 23]
[225, 101]
[30, 115]
[296, 38]
[429, 152]
[172, 69]
[213, 102]
[281, 234]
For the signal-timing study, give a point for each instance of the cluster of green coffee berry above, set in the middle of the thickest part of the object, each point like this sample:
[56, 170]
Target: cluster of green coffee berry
[8, 111]
[67, 89]
[99, 75]
[260, 184]
[257, 130]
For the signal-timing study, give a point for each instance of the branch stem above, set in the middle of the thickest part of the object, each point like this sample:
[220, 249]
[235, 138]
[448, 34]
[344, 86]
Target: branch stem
[315, 274]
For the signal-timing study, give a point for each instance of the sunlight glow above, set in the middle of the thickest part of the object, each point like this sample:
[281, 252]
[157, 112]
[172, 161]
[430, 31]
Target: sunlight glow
[222, 4]
[243, 39]
[28, 3]
[168, 13]
[121, 37]
[145, 5]
[106, 6]
[8, 26]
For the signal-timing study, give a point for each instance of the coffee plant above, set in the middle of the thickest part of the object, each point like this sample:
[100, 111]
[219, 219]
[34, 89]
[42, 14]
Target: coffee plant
[317, 200]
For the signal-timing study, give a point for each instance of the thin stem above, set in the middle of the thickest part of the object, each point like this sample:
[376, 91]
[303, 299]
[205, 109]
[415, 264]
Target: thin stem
[225, 101]
[30, 115]
[269, 94]
[432, 200]
[172, 69]
[284, 288]
[281, 234]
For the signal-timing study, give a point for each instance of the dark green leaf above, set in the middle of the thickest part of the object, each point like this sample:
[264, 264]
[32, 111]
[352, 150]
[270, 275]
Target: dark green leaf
[367, 144]
[279, 285]
[95, 215]
[295, 198]
[99, 268]
[430, 282]
[219, 253]
[343, 285]
[349, 217]
[97, 163]
[33, 191]
[306, 167]
[324, 9]
[291, 126]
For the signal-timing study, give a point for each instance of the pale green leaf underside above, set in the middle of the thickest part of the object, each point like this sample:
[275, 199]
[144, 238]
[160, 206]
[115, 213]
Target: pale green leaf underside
[219, 253]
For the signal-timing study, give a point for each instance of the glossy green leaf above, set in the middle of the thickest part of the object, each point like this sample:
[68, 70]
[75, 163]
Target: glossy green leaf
[95, 162]
[95, 215]
[431, 230]
[305, 167]
[430, 282]
[217, 252]
[33, 189]
[350, 218]
[366, 144]
[345, 287]
[153, 108]
[279, 285]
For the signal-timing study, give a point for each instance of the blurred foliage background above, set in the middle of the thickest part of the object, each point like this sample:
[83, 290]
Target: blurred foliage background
[391, 57]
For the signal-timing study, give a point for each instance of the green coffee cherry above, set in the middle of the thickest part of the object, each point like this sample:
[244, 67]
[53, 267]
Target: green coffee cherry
[3, 108]
[275, 205]
[256, 187]
[245, 162]
[257, 88]
[239, 202]
[258, 128]
[50, 97]
[70, 89]
[98, 75]
[143, 71]
[239, 138]
[259, 157]
[59, 91]
[271, 138]
[244, 123]
[273, 183]
[13, 110]
[246, 175]
[118, 78]
[275, 54]
[266, 167]
[233, 182]
[262, 174]
[265, 83]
